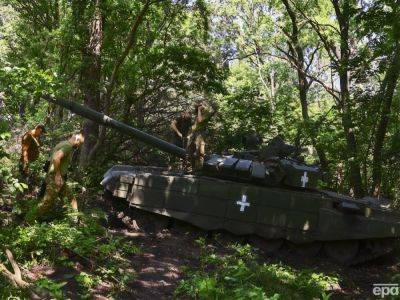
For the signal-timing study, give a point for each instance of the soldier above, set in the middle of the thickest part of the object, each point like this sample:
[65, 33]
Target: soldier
[197, 144]
[180, 132]
[56, 185]
[181, 128]
[30, 148]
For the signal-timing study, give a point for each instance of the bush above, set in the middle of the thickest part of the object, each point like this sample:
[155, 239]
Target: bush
[60, 243]
[239, 275]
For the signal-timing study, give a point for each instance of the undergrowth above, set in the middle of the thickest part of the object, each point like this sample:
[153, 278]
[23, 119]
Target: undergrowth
[240, 275]
[85, 251]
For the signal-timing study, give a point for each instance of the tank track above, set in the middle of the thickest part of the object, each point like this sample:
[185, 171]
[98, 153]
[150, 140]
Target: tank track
[371, 249]
[367, 250]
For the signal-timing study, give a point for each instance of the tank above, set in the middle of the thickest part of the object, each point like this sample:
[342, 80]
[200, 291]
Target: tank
[264, 195]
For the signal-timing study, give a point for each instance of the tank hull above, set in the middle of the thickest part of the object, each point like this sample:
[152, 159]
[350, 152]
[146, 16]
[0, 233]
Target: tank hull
[300, 216]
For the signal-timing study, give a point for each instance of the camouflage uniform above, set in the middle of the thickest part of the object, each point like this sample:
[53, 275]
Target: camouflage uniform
[183, 123]
[54, 190]
[197, 145]
[30, 151]
[197, 150]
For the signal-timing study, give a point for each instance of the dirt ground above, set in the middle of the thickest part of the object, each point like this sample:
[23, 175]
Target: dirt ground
[166, 250]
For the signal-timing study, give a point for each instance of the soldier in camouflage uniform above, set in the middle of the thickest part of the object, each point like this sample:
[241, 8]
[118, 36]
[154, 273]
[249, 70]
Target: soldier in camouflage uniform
[197, 145]
[30, 148]
[56, 185]
[180, 131]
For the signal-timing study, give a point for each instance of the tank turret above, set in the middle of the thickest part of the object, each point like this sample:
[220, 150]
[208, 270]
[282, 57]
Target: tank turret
[273, 164]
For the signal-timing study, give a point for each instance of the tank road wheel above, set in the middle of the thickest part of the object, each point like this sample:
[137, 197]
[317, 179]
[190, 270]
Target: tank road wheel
[376, 248]
[269, 246]
[382, 247]
[343, 252]
[307, 249]
[108, 195]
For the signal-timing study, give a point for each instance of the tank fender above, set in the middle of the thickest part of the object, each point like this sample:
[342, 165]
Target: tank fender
[112, 178]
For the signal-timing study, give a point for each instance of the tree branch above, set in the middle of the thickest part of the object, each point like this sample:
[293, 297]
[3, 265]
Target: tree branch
[312, 57]
[131, 43]
[132, 38]
[331, 51]
[16, 278]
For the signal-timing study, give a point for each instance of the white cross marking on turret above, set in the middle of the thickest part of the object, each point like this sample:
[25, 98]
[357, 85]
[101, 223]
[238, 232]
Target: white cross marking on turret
[243, 203]
[304, 179]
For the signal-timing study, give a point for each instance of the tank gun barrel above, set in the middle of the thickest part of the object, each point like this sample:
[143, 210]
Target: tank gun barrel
[105, 120]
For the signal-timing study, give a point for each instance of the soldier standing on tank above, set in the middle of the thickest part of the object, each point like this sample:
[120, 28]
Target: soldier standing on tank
[197, 145]
[30, 148]
[181, 127]
[180, 133]
[56, 186]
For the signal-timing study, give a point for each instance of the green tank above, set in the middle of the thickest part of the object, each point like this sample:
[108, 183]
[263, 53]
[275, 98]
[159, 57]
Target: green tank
[264, 195]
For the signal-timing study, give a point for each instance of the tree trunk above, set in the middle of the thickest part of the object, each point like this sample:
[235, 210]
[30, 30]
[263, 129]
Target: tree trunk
[91, 76]
[343, 17]
[387, 90]
[106, 99]
[351, 143]
[303, 84]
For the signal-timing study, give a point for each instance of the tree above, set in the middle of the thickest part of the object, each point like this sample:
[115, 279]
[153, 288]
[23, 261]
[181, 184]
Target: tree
[388, 13]
[91, 77]
[295, 55]
[337, 45]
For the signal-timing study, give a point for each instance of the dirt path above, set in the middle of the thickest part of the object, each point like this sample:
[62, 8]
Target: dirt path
[159, 266]
[163, 254]
[166, 252]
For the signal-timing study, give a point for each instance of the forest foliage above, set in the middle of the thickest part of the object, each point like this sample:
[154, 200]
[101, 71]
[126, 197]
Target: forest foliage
[322, 73]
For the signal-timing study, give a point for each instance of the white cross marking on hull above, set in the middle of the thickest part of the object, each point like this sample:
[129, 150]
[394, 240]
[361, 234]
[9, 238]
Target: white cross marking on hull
[243, 203]
[304, 179]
